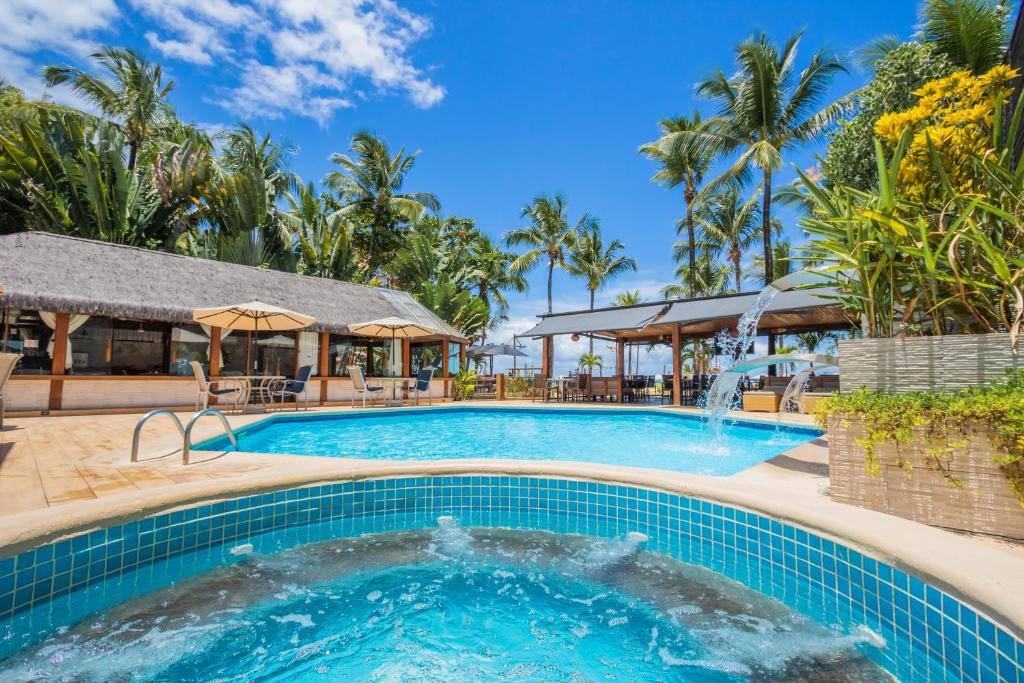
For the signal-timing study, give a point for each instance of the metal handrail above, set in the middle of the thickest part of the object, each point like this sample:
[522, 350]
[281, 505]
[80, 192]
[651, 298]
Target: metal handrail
[187, 446]
[138, 429]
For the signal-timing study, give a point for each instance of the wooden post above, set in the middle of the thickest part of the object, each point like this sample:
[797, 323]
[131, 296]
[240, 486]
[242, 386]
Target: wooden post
[462, 355]
[444, 365]
[499, 387]
[620, 356]
[407, 369]
[545, 357]
[59, 360]
[677, 370]
[324, 369]
[214, 359]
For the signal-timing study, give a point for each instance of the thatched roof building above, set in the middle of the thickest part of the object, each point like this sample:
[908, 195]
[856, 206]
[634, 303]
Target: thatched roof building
[43, 271]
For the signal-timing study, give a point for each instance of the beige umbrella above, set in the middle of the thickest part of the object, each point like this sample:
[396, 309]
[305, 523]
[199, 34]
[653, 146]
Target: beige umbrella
[399, 328]
[255, 316]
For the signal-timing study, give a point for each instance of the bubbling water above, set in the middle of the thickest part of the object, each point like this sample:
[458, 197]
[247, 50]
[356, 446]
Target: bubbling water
[517, 605]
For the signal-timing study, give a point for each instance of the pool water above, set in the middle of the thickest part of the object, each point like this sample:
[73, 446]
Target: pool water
[683, 443]
[452, 604]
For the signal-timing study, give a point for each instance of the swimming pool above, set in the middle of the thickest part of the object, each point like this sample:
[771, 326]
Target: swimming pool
[480, 578]
[639, 438]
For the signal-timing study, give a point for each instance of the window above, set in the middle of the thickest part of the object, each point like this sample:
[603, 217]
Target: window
[25, 333]
[453, 358]
[234, 351]
[188, 343]
[345, 351]
[425, 355]
[89, 348]
[275, 353]
[139, 347]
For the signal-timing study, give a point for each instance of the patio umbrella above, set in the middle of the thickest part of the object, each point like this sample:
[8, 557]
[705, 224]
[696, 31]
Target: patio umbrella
[254, 316]
[399, 328]
[492, 350]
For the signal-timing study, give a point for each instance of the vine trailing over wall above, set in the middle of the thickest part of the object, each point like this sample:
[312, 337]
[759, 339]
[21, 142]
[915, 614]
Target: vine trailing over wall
[945, 418]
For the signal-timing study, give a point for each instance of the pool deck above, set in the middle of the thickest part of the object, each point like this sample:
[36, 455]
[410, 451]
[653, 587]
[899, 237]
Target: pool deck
[64, 475]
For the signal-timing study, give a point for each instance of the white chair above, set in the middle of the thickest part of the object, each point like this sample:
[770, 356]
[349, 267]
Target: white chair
[7, 363]
[229, 387]
[293, 387]
[359, 386]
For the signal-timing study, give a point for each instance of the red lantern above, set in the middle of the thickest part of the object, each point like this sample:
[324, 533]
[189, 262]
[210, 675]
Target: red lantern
[575, 337]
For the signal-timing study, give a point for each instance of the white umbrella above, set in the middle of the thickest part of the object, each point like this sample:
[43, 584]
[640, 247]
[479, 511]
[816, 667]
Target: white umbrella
[253, 316]
[400, 328]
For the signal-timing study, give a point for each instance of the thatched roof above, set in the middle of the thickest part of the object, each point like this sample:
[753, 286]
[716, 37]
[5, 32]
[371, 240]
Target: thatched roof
[71, 275]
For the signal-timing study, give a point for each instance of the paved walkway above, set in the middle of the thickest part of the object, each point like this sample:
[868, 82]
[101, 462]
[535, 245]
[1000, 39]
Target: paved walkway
[49, 461]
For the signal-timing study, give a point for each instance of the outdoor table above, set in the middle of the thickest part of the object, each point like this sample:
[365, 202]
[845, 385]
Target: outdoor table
[395, 401]
[258, 385]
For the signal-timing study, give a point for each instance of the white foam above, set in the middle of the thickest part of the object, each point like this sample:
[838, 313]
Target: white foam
[303, 620]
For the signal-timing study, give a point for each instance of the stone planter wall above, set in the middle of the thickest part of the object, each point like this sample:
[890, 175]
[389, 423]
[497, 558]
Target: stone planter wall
[985, 504]
[926, 363]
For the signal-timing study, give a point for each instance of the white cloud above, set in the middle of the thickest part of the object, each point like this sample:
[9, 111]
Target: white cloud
[296, 56]
[31, 26]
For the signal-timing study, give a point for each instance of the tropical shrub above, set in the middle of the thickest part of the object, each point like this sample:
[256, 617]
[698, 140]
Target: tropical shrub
[952, 121]
[464, 383]
[945, 418]
[902, 71]
[925, 254]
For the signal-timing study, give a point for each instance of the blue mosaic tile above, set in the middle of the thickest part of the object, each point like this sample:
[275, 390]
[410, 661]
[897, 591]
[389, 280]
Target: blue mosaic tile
[932, 635]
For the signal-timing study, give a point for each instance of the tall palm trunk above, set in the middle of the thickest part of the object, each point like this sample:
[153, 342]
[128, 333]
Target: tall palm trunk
[736, 255]
[590, 336]
[689, 194]
[551, 274]
[766, 235]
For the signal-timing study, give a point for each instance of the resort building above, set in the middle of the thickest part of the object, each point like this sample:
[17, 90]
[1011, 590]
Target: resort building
[106, 327]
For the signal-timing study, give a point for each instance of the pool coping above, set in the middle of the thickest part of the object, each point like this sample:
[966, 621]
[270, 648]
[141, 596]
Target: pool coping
[989, 578]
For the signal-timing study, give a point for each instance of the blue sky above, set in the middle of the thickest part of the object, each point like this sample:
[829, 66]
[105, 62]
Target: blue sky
[506, 100]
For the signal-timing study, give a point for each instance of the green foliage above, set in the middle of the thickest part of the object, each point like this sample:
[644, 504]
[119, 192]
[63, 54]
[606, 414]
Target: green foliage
[590, 260]
[464, 384]
[590, 361]
[517, 386]
[971, 34]
[945, 419]
[952, 262]
[902, 70]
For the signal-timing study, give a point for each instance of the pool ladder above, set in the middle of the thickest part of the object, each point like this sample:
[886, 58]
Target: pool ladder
[186, 432]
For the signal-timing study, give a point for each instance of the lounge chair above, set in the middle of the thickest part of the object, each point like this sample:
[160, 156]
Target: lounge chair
[359, 386]
[294, 387]
[7, 363]
[423, 384]
[229, 387]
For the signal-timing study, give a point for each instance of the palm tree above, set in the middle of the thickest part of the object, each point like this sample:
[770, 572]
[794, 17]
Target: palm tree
[631, 297]
[549, 235]
[490, 269]
[972, 34]
[810, 341]
[682, 163]
[322, 240]
[135, 98]
[241, 148]
[596, 264]
[729, 224]
[711, 278]
[370, 184]
[767, 108]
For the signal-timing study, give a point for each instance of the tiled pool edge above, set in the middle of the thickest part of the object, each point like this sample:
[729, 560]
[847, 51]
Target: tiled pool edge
[928, 615]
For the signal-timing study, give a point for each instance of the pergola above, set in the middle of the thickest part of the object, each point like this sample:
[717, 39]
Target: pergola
[673, 322]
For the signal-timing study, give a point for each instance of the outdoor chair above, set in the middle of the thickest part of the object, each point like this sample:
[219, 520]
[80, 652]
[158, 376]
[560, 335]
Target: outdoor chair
[294, 387]
[229, 388]
[539, 387]
[7, 363]
[359, 386]
[422, 386]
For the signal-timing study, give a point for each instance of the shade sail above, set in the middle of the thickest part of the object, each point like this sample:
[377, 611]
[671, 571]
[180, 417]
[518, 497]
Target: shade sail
[724, 307]
[602, 320]
[254, 316]
[398, 328]
[495, 350]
